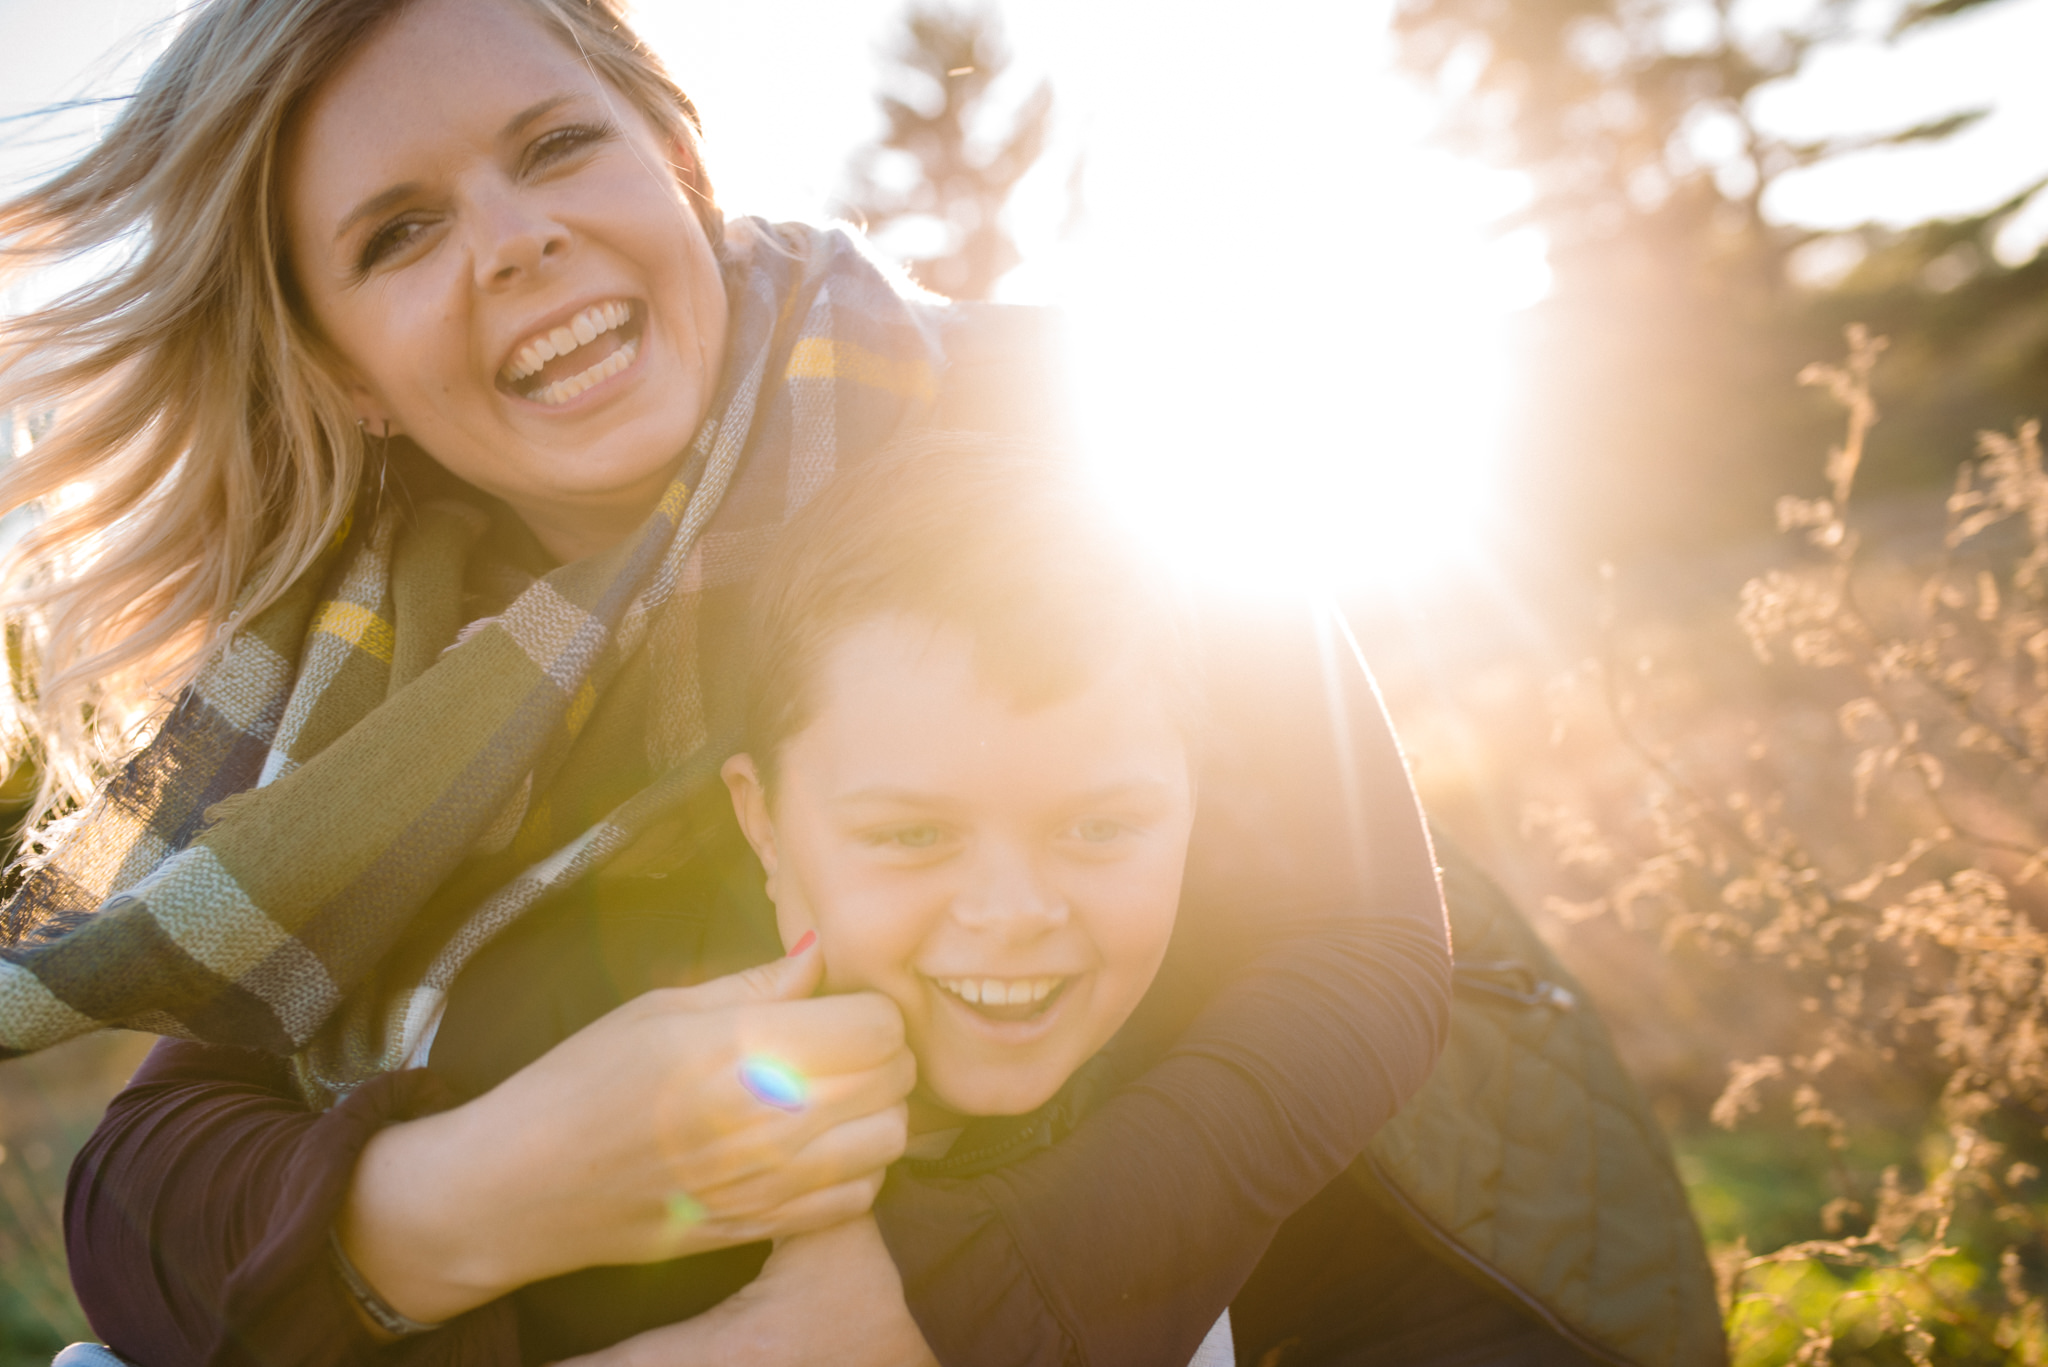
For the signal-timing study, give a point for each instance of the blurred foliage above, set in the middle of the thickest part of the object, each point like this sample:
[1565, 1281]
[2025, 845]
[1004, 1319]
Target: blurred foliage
[1860, 841]
[1788, 826]
[932, 189]
[48, 1105]
[1659, 411]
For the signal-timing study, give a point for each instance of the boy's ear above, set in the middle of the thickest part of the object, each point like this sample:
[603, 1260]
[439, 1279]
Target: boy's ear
[750, 805]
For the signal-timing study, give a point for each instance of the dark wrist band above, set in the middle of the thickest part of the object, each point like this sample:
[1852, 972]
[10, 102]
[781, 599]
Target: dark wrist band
[375, 1306]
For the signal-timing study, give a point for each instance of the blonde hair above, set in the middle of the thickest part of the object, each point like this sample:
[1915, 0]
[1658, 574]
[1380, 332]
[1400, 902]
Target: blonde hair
[201, 455]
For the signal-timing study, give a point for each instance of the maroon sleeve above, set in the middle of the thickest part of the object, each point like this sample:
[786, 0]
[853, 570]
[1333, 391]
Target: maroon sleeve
[1313, 889]
[196, 1219]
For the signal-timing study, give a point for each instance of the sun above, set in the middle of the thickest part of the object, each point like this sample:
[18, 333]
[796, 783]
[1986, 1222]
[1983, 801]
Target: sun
[1340, 435]
[1290, 326]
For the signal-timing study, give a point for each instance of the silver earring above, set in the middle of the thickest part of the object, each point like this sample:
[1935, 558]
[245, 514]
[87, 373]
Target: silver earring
[383, 454]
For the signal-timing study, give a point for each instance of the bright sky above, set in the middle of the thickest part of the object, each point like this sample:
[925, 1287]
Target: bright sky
[1287, 312]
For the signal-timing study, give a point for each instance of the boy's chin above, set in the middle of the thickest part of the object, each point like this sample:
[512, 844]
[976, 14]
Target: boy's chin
[975, 1096]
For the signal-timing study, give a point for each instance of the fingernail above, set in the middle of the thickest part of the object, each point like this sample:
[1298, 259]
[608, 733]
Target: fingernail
[810, 937]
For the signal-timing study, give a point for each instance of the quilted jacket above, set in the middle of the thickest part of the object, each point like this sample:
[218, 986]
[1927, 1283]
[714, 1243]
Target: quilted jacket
[1530, 1160]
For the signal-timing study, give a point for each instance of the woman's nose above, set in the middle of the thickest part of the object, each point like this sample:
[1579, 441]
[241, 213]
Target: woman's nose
[1007, 889]
[515, 239]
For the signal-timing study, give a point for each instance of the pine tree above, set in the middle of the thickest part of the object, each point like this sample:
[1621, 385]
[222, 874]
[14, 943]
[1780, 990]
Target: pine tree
[1662, 406]
[960, 172]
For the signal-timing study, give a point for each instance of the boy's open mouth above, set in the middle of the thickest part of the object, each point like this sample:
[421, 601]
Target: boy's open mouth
[1005, 999]
[554, 366]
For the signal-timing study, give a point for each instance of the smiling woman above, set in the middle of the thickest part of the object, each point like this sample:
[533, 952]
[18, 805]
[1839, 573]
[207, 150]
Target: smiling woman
[422, 443]
[195, 173]
[480, 260]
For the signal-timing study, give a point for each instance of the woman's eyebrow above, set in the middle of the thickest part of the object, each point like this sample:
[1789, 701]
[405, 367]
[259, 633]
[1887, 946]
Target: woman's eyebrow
[539, 109]
[385, 199]
[376, 204]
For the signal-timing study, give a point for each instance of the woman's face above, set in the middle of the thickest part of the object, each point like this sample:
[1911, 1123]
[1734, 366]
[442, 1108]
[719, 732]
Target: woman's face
[494, 241]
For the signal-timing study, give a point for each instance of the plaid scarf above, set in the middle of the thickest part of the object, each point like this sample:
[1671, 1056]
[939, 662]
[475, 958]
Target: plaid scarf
[342, 808]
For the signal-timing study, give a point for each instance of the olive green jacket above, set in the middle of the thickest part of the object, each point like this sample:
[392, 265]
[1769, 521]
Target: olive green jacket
[1530, 1160]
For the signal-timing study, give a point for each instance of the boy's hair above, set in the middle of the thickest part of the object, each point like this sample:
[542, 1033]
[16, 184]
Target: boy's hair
[1001, 541]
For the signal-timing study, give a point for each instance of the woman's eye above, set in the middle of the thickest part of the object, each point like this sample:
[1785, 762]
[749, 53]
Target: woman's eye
[1098, 832]
[392, 237]
[559, 143]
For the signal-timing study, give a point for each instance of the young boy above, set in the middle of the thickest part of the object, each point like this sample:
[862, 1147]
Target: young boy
[970, 718]
[971, 722]
[970, 773]
[969, 766]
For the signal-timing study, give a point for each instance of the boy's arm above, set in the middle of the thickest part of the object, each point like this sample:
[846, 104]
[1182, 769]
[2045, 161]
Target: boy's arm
[1312, 875]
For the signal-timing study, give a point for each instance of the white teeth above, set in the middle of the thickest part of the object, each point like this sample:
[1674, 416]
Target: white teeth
[561, 391]
[585, 328]
[1000, 991]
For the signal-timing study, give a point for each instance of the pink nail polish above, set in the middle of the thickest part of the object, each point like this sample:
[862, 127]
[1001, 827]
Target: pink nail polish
[810, 938]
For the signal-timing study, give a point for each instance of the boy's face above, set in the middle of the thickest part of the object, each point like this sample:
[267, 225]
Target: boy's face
[1009, 879]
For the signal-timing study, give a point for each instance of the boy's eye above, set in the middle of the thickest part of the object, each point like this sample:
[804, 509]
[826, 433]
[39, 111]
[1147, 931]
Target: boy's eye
[1097, 831]
[912, 837]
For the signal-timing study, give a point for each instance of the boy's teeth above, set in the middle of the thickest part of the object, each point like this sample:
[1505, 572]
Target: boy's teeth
[1000, 991]
[585, 328]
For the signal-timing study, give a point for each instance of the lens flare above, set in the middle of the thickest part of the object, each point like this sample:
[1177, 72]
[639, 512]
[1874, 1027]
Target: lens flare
[774, 1084]
[684, 1212]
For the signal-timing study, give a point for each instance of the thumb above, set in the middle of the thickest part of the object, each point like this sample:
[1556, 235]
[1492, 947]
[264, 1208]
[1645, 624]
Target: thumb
[783, 980]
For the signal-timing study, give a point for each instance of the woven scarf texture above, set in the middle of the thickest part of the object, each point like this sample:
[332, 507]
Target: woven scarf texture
[343, 807]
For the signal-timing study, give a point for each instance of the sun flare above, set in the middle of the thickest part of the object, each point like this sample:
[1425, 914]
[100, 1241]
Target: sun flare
[1288, 314]
[1342, 431]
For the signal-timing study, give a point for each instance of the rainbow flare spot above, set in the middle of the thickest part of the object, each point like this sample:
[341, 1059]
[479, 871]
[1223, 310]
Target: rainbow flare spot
[774, 1084]
[684, 1210]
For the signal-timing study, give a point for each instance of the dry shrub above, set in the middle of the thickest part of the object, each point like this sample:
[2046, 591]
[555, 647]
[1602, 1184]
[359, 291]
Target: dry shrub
[1886, 871]
[48, 1105]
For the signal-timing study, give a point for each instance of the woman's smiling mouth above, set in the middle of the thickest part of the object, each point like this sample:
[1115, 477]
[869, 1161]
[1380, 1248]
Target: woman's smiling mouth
[562, 362]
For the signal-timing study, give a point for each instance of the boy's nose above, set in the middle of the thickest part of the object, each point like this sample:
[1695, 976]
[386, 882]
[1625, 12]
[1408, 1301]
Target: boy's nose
[1008, 890]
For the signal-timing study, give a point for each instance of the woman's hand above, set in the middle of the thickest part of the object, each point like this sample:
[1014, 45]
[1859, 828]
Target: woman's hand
[829, 1296]
[635, 1140]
